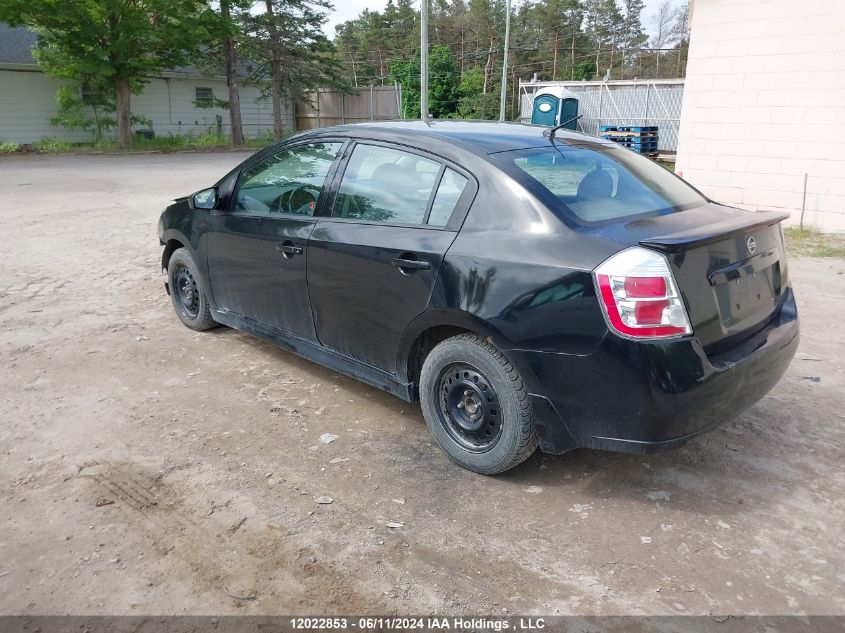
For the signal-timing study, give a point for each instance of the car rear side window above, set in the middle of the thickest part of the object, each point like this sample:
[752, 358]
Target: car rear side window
[451, 188]
[605, 184]
[381, 184]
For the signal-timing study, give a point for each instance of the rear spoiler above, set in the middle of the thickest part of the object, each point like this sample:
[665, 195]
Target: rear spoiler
[714, 232]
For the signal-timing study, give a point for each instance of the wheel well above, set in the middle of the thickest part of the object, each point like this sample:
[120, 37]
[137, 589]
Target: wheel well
[423, 345]
[171, 247]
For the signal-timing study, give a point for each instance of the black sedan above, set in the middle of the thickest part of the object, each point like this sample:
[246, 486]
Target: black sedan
[528, 287]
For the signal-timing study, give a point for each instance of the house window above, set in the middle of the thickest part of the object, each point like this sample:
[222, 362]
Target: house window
[204, 97]
[87, 94]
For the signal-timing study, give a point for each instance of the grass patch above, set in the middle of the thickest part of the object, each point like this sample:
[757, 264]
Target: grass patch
[810, 242]
[170, 143]
[52, 145]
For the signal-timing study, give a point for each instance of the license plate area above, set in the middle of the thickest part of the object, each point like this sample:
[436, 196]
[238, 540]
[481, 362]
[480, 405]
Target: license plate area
[747, 296]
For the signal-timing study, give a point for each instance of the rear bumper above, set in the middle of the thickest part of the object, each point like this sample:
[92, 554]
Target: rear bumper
[649, 396]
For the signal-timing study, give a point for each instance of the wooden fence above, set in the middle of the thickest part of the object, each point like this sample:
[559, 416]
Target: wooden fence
[330, 107]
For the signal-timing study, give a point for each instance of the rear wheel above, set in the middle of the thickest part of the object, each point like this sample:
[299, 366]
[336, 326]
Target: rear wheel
[476, 405]
[187, 292]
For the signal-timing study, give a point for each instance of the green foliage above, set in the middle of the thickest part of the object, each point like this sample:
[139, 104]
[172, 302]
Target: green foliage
[53, 145]
[407, 74]
[170, 143]
[97, 41]
[214, 103]
[443, 88]
[472, 83]
[309, 59]
[113, 43]
[442, 82]
[556, 39]
[480, 106]
[94, 114]
[474, 103]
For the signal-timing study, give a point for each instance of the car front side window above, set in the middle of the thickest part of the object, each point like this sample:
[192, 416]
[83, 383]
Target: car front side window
[288, 182]
[381, 184]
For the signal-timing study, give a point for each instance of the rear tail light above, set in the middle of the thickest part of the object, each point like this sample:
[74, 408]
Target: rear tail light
[639, 295]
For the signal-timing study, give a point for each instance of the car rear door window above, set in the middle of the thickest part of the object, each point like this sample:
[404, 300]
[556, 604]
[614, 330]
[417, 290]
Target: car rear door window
[452, 186]
[382, 184]
[288, 182]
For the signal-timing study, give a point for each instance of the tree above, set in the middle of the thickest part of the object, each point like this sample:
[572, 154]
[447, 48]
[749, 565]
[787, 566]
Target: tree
[631, 35]
[443, 82]
[474, 103]
[407, 75]
[274, 45]
[117, 42]
[288, 42]
[681, 31]
[486, 18]
[221, 51]
[559, 21]
[228, 28]
[89, 108]
[602, 20]
[443, 91]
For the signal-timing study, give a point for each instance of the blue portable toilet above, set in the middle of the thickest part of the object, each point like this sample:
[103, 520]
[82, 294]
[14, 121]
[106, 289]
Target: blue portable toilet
[554, 105]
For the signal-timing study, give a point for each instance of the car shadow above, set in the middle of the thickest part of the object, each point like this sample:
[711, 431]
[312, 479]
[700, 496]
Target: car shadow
[720, 472]
[716, 473]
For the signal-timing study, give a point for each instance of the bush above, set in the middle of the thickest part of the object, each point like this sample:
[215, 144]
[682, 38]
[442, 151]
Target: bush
[8, 148]
[262, 140]
[479, 106]
[52, 145]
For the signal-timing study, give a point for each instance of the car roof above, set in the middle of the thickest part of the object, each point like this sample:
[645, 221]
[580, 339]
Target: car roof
[486, 137]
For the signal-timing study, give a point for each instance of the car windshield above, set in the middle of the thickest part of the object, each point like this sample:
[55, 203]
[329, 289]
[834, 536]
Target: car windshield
[603, 183]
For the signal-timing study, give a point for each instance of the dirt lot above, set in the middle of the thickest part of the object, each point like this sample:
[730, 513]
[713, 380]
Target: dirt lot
[148, 469]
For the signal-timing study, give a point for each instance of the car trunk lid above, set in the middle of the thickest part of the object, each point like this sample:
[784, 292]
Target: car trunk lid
[729, 264]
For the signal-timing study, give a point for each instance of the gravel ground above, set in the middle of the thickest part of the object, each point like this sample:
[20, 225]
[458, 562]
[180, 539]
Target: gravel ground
[149, 469]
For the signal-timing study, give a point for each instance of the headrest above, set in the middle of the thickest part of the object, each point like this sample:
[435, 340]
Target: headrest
[596, 185]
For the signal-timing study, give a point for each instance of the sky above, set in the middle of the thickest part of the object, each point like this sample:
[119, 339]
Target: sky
[348, 9]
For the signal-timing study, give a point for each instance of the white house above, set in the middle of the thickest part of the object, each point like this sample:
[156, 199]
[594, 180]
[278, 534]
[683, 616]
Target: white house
[28, 99]
[764, 107]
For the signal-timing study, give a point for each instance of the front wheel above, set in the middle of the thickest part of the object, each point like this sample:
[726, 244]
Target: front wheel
[187, 293]
[476, 405]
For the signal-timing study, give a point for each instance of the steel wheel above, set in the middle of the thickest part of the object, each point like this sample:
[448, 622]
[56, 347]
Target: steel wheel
[187, 291]
[469, 408]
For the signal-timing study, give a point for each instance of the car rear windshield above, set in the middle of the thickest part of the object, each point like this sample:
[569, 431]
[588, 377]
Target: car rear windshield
[599, 184]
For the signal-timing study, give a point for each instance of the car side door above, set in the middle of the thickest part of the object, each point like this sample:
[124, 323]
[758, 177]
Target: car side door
[258, 247]
[373, 261]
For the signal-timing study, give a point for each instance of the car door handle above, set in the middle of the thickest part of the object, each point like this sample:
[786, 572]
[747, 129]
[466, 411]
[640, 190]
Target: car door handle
[289, 248]
[403, 263]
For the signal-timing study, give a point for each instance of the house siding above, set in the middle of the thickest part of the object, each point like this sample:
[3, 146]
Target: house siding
[764, 104]
[28, 101]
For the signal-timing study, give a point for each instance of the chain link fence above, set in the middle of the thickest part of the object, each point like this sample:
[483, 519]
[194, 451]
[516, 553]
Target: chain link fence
[629, 102]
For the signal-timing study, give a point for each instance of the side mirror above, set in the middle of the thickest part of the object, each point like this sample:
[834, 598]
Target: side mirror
[205, 199]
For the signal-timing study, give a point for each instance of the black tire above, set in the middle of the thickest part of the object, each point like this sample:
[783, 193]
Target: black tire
[187, 291]
[467, 382]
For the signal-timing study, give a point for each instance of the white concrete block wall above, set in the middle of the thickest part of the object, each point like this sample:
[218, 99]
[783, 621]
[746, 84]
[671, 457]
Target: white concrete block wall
[28, 101]
[764, 104]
